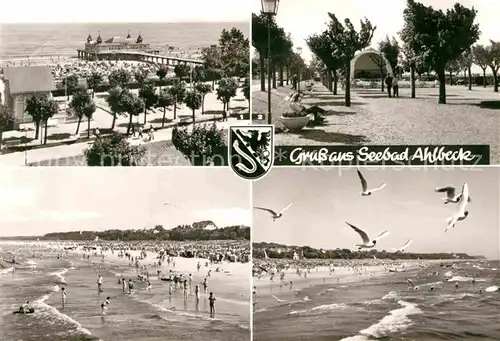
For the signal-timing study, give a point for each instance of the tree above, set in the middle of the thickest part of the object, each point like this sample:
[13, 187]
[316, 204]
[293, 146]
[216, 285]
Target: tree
[466, 61]
[165, 99]
[321, 46]
[114, 101]
[88, 111]
[133, 105]
[199, 74]
[140, 76]
[161, 73]
[40, 107]
[148, 93]
[95, 79]
[70, 83]
[453, 67]
[201, 145]
[80, 100]
[347, 41]
[4, 121]
[114, 151]
[246, 90]
[234, 52]
[226, 90]
[178, 92]
[390, 50]
[211, 57]
[437, 37]
[260, 41]
[193, 101]
[182, 71]
[493, 59]
[203, 89]
[480, 58]
[119, 78]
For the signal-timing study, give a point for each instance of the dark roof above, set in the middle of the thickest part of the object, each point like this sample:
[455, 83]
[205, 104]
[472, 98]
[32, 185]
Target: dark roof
[116, 40]
[26, 79]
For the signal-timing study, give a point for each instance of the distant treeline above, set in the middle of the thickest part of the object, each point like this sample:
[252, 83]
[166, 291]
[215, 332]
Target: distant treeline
[279, 251]
[179, 233]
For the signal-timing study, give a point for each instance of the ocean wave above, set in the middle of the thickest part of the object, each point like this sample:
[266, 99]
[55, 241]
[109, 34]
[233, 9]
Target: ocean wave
[396, 321]
[391, 296]
[320, 309]
[7, 270]
[60, 275]
[463, 279]
[50, 312]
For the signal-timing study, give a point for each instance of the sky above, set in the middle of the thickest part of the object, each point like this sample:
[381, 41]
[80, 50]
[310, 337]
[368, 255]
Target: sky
[39, 201]
[324, 199]
[54, 11]
[301, 20]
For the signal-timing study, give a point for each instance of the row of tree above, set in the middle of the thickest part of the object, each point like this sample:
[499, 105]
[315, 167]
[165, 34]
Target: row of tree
[432, 40]
[279, 251]
[179, 233]
[282, 55]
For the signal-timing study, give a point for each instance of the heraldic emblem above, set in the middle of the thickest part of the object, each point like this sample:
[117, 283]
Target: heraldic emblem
[251, 150]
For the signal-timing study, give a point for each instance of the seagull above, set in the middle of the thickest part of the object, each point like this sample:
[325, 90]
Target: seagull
[402, 248]
[364, 185]
[273, 213]
[461, 212]
[367, 244]
[277, 299]
[450, 194]
[412, 286]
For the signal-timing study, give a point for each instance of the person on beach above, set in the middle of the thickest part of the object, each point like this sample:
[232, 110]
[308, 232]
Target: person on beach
[205, 285]
[99, 283]
[185, 289]
[130, 286]
[97, 132]
[140, 132]
[197, 293]
[211, 300]
[190, 280]
[104, 305]
[150, 286]
[198, 266]
[63, 297]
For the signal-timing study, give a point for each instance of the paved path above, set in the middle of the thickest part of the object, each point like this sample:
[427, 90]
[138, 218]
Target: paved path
[374, 118]
[159, 152]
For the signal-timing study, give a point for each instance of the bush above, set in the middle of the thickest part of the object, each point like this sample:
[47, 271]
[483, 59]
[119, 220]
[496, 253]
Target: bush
[114, 151]
[295, 114]
[201, 144]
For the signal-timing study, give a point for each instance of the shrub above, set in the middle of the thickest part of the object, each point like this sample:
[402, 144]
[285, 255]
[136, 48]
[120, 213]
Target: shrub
[114, 151]
[295, 114]
[200, 145]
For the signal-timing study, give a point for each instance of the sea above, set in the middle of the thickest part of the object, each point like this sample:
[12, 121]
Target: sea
[384, 308]
[146, 314]
[17, 41]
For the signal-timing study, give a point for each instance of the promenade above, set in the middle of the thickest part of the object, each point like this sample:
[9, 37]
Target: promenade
[61, 151]
[469, 117]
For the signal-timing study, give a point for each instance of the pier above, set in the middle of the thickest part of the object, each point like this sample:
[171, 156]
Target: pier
[136, 56]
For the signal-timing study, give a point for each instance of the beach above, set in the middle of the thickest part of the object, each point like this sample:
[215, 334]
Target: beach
[145, 313]
[378, 303]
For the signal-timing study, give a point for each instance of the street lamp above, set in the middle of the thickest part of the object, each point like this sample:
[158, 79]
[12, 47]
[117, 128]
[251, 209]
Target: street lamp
[270, 9]
[299, 52]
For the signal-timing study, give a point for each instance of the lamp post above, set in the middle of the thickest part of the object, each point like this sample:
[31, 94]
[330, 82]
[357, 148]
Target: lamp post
[299, 52]
[270, 9]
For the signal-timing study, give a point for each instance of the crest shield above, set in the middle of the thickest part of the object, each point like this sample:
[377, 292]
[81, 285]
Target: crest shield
[251, 150]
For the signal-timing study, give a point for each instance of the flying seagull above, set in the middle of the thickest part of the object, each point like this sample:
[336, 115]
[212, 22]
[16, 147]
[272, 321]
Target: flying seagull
[402, 248]
[450, 194]
[461, 212]
[364, 185]
[273, 213]
[277, 299]
[367, 243]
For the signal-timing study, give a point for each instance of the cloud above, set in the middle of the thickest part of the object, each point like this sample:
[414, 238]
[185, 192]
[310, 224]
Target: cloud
[226, 216]
[13, 197]
[68, 216]
[56, 216]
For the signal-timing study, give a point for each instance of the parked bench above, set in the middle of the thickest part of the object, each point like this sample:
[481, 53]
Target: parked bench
[52, 122]
[12, 142]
